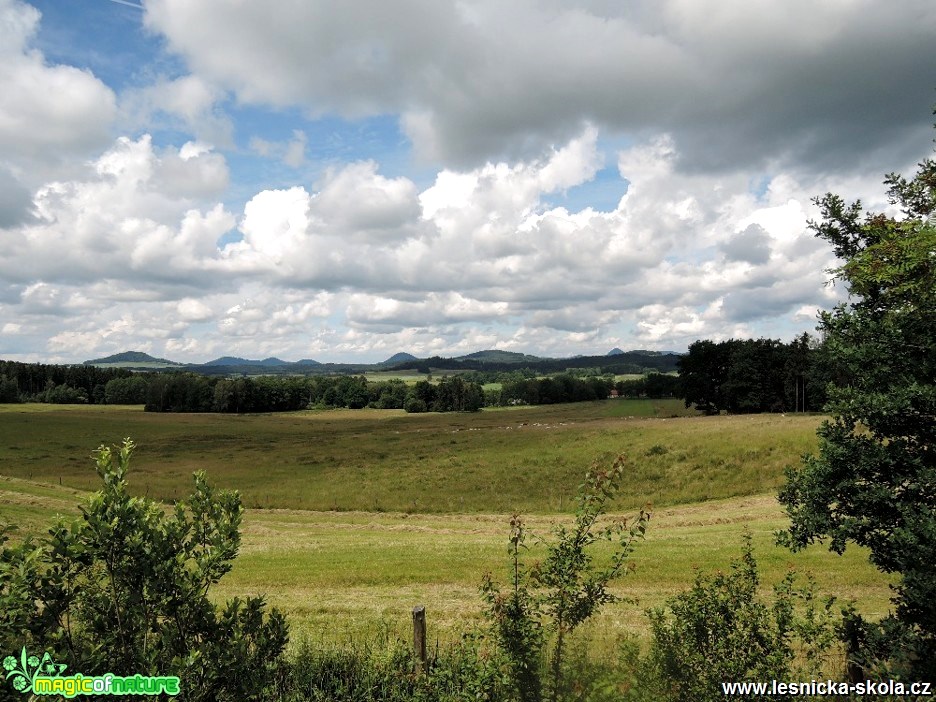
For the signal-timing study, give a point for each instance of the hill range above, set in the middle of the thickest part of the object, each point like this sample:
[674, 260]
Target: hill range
[616, 361]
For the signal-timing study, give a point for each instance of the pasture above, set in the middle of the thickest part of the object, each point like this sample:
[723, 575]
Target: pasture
[354, 517]
[496, 461]
[409, 377]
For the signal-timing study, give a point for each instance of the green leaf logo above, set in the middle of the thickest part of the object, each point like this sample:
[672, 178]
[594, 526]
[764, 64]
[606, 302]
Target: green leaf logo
[23, 672]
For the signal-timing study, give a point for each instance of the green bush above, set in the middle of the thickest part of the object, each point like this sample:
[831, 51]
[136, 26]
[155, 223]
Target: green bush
[721, 631]
[534, 620]
[414, 405]
[384, 670]
[124, 590]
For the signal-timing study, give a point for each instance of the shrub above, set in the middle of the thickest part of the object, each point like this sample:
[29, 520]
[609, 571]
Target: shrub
[721, 631]
[385, 670]
[414, 405]
[124, 590]
[550, 599]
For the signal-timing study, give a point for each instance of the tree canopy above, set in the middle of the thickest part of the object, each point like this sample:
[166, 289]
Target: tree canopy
[873, 481]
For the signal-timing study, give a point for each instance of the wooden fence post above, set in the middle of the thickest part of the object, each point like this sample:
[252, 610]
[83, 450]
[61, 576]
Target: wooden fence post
[419, 637]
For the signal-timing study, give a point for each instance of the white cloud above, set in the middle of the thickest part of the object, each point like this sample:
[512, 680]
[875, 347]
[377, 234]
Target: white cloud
[738, 82]
[191, 310]
[359, 202]
[496, 224]
[274, 227]
[189, 102]
[481, 246]
[123, 220]
[292, 152]
[368, 264]
[381, 313]
[49, 112]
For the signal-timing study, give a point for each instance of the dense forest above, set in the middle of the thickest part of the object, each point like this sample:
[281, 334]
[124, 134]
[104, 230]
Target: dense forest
[39, 382]
[743, 376]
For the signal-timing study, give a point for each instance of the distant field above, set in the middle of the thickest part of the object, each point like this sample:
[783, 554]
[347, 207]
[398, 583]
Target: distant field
[628, 376]
[638, 376]
[42, 407]
[408, 377]
[521, 459]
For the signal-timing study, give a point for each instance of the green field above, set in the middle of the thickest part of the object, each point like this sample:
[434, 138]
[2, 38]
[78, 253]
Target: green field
[408, 377]
[523, 459]
[356, 516]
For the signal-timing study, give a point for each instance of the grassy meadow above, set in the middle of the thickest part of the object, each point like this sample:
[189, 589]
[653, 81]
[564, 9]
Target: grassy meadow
[409, 377]
[354, 517]
[497, 461]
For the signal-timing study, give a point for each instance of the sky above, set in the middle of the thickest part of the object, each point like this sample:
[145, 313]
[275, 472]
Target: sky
[342, 181]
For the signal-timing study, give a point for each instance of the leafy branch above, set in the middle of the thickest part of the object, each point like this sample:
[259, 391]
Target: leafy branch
[550, 599]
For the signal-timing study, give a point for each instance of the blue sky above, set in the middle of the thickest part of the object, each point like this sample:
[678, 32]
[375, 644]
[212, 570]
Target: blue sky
[343, 181]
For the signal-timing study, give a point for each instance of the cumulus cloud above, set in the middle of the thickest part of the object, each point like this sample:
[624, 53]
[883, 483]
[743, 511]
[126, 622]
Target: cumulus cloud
[750, 83]
[352, 232]
[187, 102]
[382, 313]
[15, 200]
[292, 152]
[191, 310]
[49, 112]
[280, 322]
[365, 264]
[751, 245]
[362, 203]
[127, 219]
[482, 247]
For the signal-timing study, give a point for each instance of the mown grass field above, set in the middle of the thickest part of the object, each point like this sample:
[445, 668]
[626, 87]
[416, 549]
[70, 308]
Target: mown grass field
[408, 377]
[355, 517]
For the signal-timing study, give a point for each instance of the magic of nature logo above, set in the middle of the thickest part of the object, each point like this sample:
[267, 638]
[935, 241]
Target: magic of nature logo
[43, 676]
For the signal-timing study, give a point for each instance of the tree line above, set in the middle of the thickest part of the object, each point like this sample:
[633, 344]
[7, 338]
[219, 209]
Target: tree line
[187, 391]
[744, 376]
[737, 376]
[550, 390]
[57, 384]
[191, 392]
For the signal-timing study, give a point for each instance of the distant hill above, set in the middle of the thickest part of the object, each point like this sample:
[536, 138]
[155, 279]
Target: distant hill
[616, 361]
[401, 357]
[235, 361]
[271, 362]
[492, 360]
[230, 361]
[131, 358]
[496, 356]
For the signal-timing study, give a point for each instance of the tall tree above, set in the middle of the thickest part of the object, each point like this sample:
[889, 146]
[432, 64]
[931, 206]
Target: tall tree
[873, 481]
